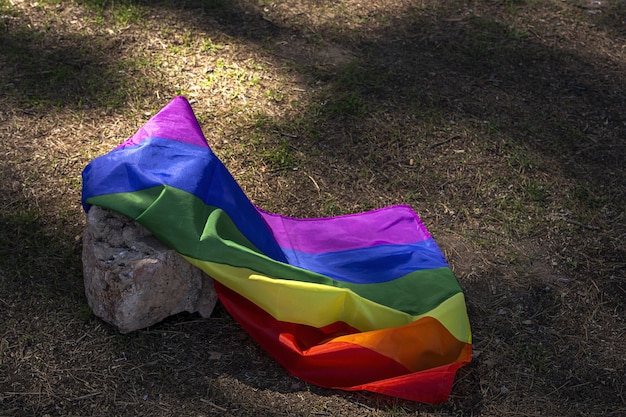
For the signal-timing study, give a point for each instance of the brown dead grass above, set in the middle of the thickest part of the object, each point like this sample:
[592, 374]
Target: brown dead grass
[501, 122]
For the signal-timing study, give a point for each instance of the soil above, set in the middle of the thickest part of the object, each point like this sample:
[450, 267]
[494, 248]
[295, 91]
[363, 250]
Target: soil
[501, 122]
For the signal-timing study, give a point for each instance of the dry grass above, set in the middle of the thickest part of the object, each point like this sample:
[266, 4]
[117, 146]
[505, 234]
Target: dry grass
[502, 122]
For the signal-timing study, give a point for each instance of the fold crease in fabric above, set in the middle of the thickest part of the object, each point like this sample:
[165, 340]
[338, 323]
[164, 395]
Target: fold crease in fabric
[364, 301]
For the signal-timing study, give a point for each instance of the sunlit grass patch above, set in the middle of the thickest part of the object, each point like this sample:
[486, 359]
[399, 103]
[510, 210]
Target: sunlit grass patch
[233, 80]
[118, 12]
[207, 45]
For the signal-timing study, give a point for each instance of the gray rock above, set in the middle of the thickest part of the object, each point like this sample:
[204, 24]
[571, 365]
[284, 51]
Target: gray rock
[132, 280]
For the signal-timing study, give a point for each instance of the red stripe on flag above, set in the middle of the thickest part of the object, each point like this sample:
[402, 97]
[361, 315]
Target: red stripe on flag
[303, 352]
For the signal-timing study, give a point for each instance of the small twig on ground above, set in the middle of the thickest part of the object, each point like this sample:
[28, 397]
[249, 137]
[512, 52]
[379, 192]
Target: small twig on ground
[446, 183]
[482, 229]
[586, 226]
[360, 404]
[84, 397]
[279, 169]
[289, 135]
[212, 404]
[314, 183]
[450, 139]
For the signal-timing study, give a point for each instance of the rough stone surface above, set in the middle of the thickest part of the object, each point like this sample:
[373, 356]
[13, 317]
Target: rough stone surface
[132, 280]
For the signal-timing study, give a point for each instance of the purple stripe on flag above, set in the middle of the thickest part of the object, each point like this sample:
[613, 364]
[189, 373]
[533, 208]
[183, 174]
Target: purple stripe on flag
[386, 226]
[176, 122]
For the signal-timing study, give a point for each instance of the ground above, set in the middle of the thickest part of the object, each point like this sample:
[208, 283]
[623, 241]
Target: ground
[501, 122]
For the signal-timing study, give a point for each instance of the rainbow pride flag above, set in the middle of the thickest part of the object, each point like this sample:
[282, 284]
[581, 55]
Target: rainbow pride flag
[356, 302]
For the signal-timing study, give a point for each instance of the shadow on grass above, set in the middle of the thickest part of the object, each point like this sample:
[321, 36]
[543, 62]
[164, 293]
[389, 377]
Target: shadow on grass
[427, 68]
[476, 77]
[556, 103]
[543, 110]
[59, 70]
[43, 268]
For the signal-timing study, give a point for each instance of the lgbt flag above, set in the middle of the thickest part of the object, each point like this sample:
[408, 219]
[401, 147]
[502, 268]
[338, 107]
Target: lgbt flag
[356, 302]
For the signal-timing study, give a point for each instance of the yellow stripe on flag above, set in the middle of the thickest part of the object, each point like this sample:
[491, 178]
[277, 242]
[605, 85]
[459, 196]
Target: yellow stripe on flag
[320, 305]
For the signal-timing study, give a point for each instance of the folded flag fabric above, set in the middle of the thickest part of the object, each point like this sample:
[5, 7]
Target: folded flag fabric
[356, 302]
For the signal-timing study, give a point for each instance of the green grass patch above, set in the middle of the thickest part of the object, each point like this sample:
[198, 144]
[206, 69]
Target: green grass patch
[279, 156]
[118, 12]
[344, 104]
[207, 45]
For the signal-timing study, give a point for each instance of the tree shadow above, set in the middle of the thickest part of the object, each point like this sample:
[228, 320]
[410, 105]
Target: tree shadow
[425, 65]
[43, 268]
[469, 73]
[507, 87]
[557, 102]
[70, 70]
[514, 91]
